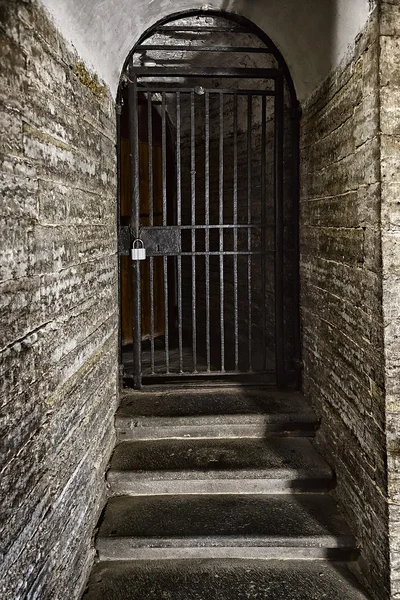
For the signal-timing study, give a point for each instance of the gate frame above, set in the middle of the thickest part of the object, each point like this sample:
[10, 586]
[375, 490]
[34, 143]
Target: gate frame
[295, 114]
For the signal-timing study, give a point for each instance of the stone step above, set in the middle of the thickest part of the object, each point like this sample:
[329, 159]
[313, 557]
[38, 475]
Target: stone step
[198, 466]
[214, 413]
[285, 526]
[222, 579]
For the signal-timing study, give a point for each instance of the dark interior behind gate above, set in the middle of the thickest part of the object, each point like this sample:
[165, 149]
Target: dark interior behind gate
[207, 182]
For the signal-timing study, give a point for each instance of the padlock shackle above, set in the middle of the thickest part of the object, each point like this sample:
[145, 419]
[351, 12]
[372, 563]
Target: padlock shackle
[138, 241]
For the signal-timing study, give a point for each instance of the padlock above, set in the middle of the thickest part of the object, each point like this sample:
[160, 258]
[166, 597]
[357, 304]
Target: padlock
[138, 253]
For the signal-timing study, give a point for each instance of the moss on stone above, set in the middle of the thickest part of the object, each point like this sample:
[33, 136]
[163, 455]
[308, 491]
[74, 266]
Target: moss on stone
[89, 80]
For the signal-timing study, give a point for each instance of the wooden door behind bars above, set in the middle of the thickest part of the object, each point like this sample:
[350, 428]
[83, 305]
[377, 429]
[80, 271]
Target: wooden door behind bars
[126, 272]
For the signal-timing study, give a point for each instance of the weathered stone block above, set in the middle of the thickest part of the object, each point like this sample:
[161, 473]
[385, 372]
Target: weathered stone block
[390, 163]
[390, 18]
[390, 110]
[389, 68]
[15, 249]
[19, 194]
[390, 252]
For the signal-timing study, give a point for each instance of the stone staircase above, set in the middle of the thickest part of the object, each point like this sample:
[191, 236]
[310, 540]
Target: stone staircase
[219, 493]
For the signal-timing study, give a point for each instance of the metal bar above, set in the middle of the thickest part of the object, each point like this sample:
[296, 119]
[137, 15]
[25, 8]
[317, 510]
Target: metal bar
[263, 232]
[254, 225]
[168, 71]
[249, 205]
[179, 286]
[205, 29]
[216, 253]
[151, 222]
[164, 202]
[198, 48]
[134, 224]
[279, 240]
[193, 222]
[165, 264]
[228, 91]
[151, 283]
[204, 374]
[118, 115]
[295, 141]
[164, 159]
[178, 220]
[235, 230]
[178, 161]
[207, 223]
[150, 148]
[221, 234]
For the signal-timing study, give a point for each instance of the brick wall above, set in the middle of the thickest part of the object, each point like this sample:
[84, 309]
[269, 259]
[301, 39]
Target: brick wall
[342, 293]
[58, 306]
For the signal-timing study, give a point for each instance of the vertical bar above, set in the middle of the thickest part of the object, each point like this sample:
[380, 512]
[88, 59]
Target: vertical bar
[151, 283]
[235, 233]
[249, 231]
[164, 201]
[278, 197]
[150, 145]
[193, 222]
[118, 115]
[134, 223]
[179, 221]
[165, 265]
[207, 222]
[263, 226]
[151, 222]
[295, 142]
[221, 231]
[164, 159]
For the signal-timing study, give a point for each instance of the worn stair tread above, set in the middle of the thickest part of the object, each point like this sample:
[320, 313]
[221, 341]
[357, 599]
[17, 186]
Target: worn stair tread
[275, 458]
[221, 406]
[222, 579]
[219, 520]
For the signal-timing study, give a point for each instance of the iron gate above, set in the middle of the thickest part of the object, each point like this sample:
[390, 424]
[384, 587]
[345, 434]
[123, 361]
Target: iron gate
[218, 251]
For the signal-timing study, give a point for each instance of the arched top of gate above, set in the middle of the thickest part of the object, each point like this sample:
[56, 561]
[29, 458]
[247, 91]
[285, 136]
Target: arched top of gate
[236, 23]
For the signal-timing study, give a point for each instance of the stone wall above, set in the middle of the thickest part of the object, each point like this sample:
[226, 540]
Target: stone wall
[342, 293]
[58, 296]
[389, 74]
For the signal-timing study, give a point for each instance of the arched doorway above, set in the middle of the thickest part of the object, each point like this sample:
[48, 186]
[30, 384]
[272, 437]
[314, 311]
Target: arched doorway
[208, 182]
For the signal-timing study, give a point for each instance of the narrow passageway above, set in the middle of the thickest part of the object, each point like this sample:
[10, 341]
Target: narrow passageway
[200, 231]
[216, 489]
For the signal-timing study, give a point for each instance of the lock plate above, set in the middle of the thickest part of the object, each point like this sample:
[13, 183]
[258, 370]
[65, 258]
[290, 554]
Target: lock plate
[161, 241]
